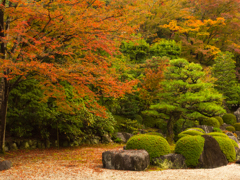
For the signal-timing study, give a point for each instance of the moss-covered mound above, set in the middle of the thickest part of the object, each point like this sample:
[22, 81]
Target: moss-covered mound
[229, 118]
[230, 128]
[227, 147]
[217, 134]
[237, 126]
[189, 133]
[156, 146]
[191, 148]
[220, 120]
[235, 144]
[211, 122]
[155, 133]
[217, 129]
[193, 128]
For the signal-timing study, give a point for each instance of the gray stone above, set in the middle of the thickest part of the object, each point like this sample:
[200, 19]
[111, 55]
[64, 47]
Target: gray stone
[24, 145]
[238, 134]
[229, 134]
[124, 136]
[170, 161]
[135, 160]
[4, 165]
[95, 140]
[6, 148]
[30, 142]
[234, 138]
[106, 139]
[206, 128]
[212, 156]
[237, 114]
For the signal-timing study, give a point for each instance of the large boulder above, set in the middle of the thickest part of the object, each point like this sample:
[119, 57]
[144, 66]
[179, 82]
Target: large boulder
[5, 165]
[211, 156]
[206, 128]
[170, 161]
[135, 160]
[124, 136]
[106, 139]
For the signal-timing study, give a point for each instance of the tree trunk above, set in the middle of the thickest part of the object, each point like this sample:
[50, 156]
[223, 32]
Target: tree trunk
[4, 106]
[170, 133]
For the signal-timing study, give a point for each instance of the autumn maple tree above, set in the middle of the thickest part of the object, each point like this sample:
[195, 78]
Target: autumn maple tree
[72, 41]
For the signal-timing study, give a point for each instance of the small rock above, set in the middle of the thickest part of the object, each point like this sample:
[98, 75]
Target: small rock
[5, 165]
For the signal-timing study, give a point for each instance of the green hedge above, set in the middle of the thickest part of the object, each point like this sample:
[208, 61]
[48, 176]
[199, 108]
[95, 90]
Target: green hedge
[217, 134]
[156, 146]
[227, 147]
[237, 126]
[211, 122]
[230, 128]
[154, 133]
[220, 120]
[191, 148]
[189, 133]
[200, 129]
[229, 118]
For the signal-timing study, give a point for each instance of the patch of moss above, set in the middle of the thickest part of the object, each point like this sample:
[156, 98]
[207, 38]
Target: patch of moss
[217, 129]
[235, 144]
[156, 146]
[155, 133]
[226, 147]
[230, 128]
[191, 148]
[211, 122]
[217, 134]
[189, 133]
[237, 126]
[220, 120]
[229, 118]
[200, 129]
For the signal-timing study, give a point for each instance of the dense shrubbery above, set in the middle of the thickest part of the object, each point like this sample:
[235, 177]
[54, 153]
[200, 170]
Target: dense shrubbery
[217, 129]
[229, 118]
[211, 122]
[227, 147]
[196, 128]
[237, 126]
[191, 148]
[217, 134]
[154, 133]
[126, 125]
[156, 146]
[189, 133]
[230, 128]
[220, 120]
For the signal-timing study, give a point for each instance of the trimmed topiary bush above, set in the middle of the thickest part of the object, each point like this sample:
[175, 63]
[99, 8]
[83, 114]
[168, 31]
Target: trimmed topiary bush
[156, 146]
[217, 129]
[229, 118]
[230, 128]
[237, 126]
[227, 147]
[217, 134]
[191, 148]
[235, 144]
[220, 120]
[211, 122]
[189, 133]
[155, 133]
[200, 129]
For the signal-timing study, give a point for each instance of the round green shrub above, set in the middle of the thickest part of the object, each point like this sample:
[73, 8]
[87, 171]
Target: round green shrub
[200, 129]
[217, 134]
[189, 133]
[227, 147]
[155, 133]
[217, 129]
[191, 148]
[237, 126]
[229, 118]
[156, 146]
[220, 120]
[230, 128]
[211, 122]
[235, 144]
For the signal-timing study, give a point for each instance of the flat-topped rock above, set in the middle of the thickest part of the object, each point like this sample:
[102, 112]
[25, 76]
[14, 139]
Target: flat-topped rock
[135, 160]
